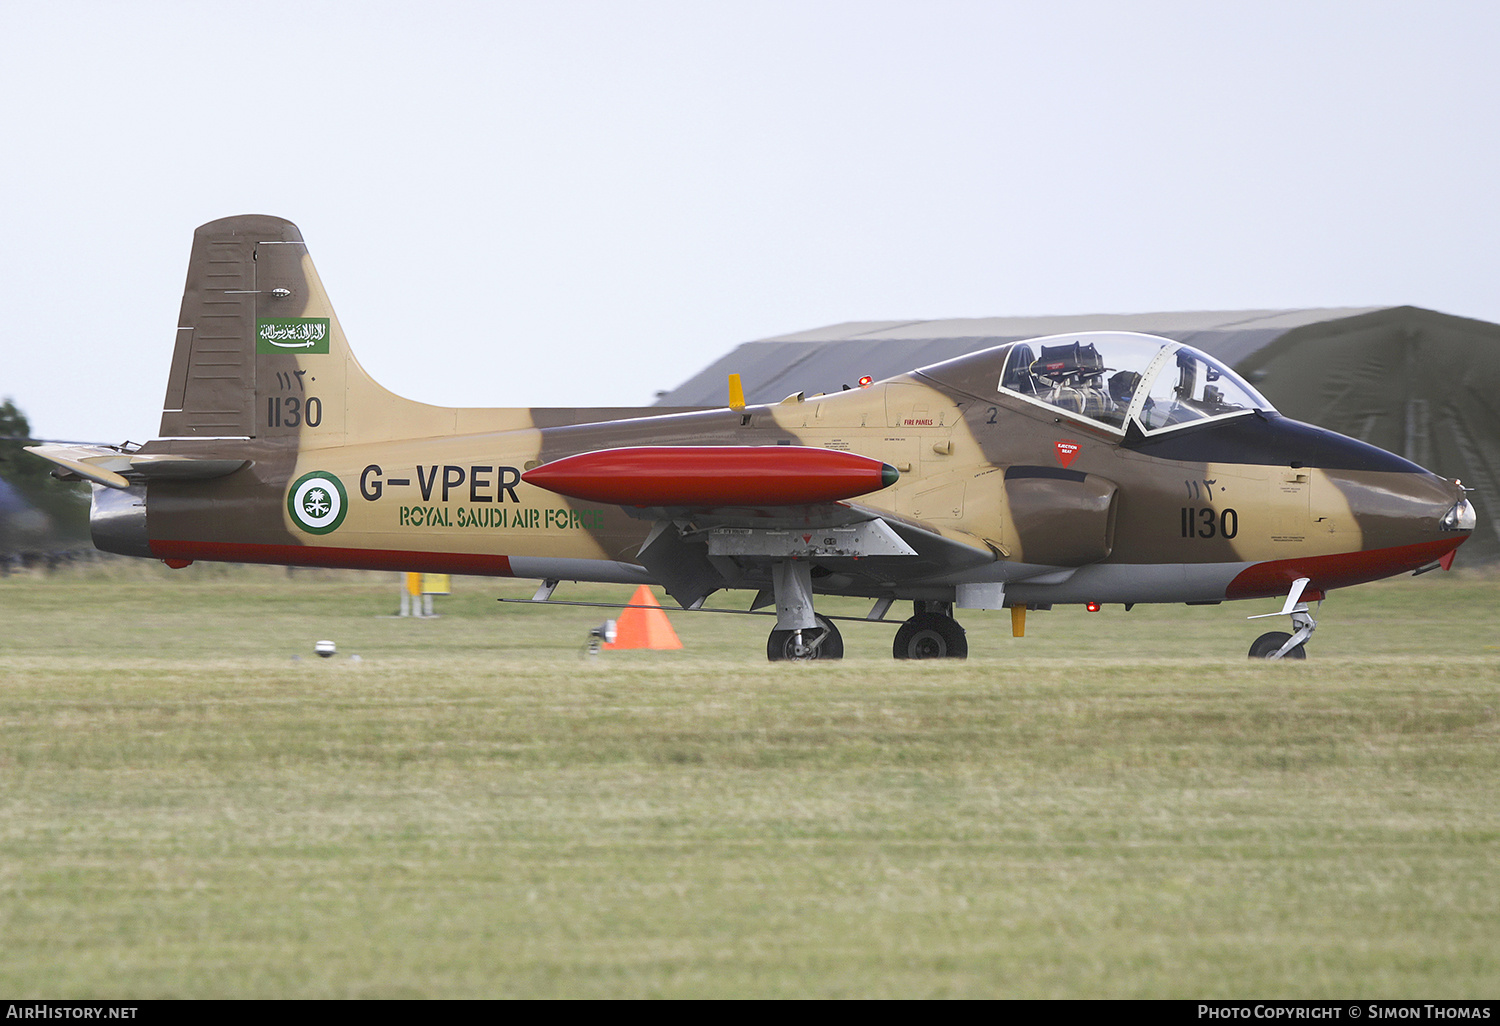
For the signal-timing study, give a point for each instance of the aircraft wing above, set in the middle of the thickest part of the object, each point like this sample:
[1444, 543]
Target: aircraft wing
[723, 515]
[857, 548]
[116, 467]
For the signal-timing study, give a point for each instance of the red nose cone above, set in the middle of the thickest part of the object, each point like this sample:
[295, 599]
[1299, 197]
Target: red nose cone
[713, 475]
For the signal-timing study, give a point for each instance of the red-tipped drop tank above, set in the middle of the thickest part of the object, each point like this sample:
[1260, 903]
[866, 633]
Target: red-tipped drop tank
[713, 475]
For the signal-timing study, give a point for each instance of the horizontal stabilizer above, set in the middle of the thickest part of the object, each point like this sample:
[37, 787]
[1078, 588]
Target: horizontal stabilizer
[116, 468]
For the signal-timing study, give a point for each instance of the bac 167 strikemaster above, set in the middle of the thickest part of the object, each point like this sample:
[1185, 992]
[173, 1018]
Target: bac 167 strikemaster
[1102, 467]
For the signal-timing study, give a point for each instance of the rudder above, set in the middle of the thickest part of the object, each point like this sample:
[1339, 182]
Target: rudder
[211, 390]
[260, 353]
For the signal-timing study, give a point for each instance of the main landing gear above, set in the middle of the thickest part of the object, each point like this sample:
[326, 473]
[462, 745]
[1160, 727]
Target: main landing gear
[821, 642]
[800, 633]
[927, 635]
[1279, 644]
[931, 633]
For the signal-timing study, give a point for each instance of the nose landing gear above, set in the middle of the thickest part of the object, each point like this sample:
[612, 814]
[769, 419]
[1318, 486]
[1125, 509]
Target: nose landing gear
[1279, 644]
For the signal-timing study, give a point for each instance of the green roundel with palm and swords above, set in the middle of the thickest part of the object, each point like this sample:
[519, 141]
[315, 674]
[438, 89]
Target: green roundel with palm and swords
[317, 502]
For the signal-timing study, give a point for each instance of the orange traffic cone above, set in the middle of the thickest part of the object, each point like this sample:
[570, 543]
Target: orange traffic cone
[644, 628]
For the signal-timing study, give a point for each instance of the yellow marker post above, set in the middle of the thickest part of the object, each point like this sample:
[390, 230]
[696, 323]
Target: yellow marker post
[736, 393]
[1018, 621]
[411, 592]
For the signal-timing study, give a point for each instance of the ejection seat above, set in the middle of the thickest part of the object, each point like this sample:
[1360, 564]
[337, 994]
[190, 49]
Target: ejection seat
[1074, 373]
[1018, 376]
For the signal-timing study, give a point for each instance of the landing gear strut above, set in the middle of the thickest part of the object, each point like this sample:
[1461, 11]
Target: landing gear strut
[1279, 644]
[800, 633]
[821, 642]
[931, 633]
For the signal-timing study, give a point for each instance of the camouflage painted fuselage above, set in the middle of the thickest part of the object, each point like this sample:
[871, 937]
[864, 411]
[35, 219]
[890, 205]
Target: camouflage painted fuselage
[994, 488]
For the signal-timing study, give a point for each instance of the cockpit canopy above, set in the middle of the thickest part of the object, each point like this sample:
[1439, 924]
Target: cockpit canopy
[1114, 377]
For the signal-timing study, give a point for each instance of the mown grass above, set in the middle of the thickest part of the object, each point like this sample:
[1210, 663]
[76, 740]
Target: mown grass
[1115, 806]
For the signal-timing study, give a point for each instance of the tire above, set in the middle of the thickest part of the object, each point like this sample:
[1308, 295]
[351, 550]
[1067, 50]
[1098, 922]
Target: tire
[931, 636]
[779, 644]
[1267, 645]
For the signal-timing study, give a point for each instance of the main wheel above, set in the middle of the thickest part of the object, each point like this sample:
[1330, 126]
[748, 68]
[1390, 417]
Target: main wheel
[783, 644]
[1270, 643]
[931, 636]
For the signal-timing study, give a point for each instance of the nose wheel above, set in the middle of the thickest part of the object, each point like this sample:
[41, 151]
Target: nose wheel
[1271, 644]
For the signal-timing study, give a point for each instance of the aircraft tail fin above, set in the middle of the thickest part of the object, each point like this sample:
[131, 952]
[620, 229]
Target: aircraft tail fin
[213, 385]
[260, 352]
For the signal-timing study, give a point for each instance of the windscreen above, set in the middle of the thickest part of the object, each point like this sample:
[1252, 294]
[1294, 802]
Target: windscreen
[1191, 387]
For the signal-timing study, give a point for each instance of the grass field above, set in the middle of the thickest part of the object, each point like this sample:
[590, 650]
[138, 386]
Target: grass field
[1118, 805]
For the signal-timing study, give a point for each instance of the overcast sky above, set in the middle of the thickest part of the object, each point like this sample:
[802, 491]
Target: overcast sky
[578, 203]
